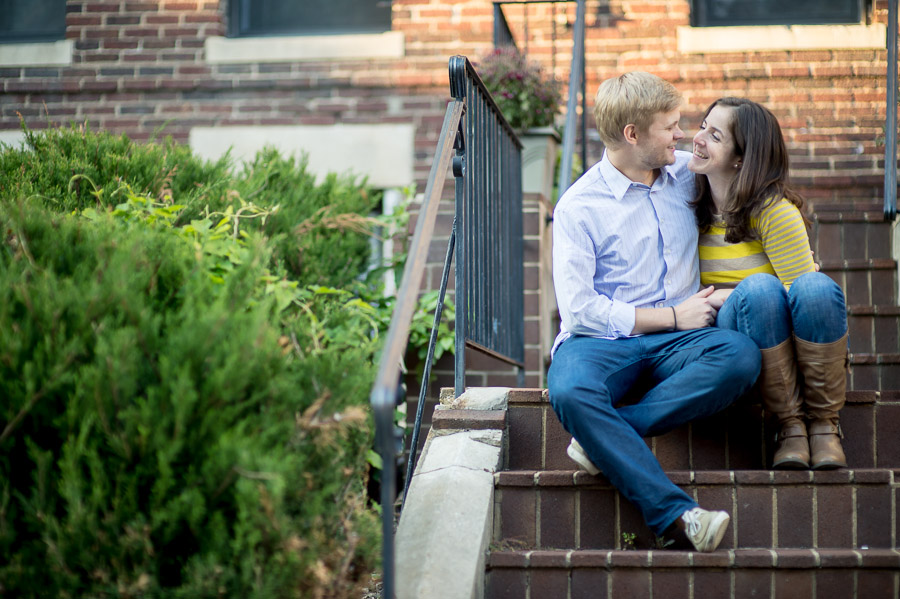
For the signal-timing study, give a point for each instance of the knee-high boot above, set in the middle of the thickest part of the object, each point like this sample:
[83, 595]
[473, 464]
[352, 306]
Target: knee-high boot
[781, 397]
[824, 370]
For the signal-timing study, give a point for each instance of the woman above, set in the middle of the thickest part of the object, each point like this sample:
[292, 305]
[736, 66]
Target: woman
[755, 250]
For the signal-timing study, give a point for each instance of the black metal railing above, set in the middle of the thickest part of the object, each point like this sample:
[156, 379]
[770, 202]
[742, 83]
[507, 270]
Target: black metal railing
[486, 159]
[890, 145]
[577, 82]
[503, 37]
[489, 264]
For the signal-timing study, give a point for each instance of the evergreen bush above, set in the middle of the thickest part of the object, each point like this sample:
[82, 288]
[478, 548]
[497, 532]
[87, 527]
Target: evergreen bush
[185, 362]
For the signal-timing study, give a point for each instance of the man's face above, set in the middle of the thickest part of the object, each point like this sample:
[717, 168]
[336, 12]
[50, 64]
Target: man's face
[656, 146]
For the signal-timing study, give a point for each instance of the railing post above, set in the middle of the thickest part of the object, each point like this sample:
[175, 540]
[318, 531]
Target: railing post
[890, 144]
[575, 75]
[459, 277]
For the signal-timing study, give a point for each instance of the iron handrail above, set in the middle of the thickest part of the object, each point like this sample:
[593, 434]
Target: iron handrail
[487, 168]
[890, 145]
[503, 37]
[489, 277]
[576, 81]
[577, 84]
[387, 385]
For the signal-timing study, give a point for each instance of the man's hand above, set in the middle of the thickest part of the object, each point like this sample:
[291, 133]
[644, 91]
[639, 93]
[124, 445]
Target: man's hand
[699, 310]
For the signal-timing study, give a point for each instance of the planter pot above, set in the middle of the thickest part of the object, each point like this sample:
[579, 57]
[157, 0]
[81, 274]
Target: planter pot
[539, 147]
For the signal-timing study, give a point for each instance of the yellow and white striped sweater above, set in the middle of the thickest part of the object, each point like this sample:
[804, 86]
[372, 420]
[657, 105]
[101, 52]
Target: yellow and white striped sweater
[782, 249]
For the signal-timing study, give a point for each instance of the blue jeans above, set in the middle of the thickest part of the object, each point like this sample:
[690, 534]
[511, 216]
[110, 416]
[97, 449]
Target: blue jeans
[691, 374]
[762, 309]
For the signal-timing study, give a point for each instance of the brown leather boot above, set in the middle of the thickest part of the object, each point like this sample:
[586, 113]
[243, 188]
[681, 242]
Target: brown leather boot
[781, 397]
[824, 370]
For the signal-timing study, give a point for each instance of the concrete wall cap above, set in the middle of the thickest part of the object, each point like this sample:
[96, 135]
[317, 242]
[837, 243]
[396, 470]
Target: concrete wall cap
[478, 398]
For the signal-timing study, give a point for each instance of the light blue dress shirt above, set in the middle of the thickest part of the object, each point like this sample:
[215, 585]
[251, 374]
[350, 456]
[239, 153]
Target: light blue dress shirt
[620, 245]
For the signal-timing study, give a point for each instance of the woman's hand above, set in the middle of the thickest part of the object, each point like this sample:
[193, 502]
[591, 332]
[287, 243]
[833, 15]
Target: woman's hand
[699, 310]
[721, 295]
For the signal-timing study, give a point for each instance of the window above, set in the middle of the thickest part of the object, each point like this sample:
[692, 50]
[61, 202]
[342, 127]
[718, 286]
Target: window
[717, 13]
[308, 17]
[32, 20]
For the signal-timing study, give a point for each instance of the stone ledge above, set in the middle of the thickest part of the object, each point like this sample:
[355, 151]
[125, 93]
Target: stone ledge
[446, 523]
[449, 419]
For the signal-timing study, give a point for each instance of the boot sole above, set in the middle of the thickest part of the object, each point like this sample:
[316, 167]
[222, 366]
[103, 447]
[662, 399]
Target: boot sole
[791, 465]
[829, 466]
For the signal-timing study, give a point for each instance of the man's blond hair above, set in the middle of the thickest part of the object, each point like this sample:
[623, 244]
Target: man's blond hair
[633, 98]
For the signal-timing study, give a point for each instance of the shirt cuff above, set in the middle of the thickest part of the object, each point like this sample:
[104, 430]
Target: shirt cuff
[621, 319]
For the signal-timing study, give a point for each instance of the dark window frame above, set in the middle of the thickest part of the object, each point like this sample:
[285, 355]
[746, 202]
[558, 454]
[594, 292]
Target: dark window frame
[839, 12]
[245, 18]
[27, 21]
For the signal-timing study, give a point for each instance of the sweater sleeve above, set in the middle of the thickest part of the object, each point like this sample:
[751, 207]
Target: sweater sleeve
[784, 240]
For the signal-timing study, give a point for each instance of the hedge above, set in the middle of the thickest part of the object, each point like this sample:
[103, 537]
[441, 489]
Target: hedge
[186, 351]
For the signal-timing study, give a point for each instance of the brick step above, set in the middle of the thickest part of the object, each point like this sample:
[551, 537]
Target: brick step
[874, 329]
[877, 371]
[737, 574]
[740, 437]
[853, 234]
[867, 281]
[839, 509]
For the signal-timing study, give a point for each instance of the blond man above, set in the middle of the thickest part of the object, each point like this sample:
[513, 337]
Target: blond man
[634, 321]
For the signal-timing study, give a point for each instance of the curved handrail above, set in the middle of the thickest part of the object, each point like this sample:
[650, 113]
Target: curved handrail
[387, 385]
[486, 158]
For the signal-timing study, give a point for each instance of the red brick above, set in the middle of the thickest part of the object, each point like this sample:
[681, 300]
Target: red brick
[752, 583]
[507, 583]
[588, 583]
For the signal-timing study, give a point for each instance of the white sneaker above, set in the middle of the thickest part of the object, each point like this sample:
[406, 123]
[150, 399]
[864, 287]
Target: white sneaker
[576, 452]
[705, 529]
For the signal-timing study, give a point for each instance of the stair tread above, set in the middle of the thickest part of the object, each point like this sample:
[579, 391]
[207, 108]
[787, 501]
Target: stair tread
[525, 396]
[722, 558]
[858, 264]
[880, 309]
[574, 477]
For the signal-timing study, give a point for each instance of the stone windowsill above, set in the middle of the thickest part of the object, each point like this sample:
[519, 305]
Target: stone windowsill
[223, 50]
[37, 54]
[705, 40]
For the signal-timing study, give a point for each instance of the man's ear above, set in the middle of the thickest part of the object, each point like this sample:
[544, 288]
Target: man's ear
[630, 134]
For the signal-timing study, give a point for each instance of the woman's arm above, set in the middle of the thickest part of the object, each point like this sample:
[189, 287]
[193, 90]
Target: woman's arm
[784, 239]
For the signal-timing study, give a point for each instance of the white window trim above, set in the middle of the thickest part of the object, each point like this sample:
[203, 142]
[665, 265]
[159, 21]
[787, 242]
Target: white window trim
[222, 50]
[707, 40]
[382, 152]
[37, 54]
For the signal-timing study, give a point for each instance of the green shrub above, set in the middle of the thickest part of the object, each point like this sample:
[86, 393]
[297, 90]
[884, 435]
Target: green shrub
[318, 230]
[183, 414]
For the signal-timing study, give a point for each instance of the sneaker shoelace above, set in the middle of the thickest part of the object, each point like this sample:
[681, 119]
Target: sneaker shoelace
[693, 522]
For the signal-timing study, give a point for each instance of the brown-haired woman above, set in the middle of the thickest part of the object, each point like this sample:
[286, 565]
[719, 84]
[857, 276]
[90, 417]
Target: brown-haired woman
[755, 250]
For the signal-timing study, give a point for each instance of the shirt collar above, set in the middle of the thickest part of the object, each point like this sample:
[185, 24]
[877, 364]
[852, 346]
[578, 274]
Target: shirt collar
[619, 183]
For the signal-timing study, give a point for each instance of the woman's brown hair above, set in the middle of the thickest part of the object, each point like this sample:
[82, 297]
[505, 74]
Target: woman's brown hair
[762, 178]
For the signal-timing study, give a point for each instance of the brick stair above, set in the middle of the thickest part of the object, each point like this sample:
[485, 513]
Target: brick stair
[561, 533]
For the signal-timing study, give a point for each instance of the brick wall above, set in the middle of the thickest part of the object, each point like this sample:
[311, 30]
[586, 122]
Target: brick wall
[140, 67]
[830, 102]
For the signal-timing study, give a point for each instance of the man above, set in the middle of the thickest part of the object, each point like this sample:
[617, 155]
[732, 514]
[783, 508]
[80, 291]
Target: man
[625, 270]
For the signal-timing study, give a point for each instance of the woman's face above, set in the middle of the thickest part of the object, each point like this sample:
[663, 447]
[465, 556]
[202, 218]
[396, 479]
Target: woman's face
[714, 154]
